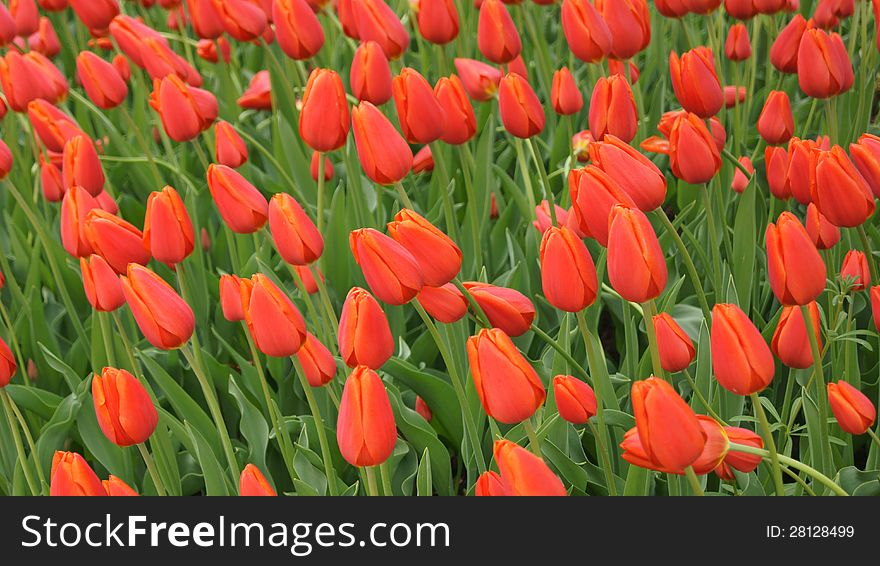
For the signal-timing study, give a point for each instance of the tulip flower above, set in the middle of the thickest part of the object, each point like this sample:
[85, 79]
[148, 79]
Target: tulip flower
[324, 118]
[508, 386]
[776, 163]
[229, 148]
[384, 155]
[437, 20]
[585, 31]
[81, 165]
[391, 271]
[802, 159]
[95, 14]
[738, 47]
[672, 8]
[594, 194]
[6, 160]
[695, 82]
[185, 111]
[168, 230]
[101, 81]
[437, 256]
[422, 118]
[365, 430]
[668, 435]
[740, 461]
[523, 473]
[489, 484]
[506, 309]
[694, 156]
[741, 359]
[543, 221]
[497, 37]
[313, 167]
[164, 318]
[565, 95]
[613, 109]
[125, 412]
[629, 22]
[297, 29]
[823, 233]
[25, 15]
[734, 95]
[7, 364]
[275, 323]
[521, 111]
[29, 77]
[636, 266]
[375, 21]
[715, 449]
[423, 161]
[855, 271]
[241, 19]
[875, 305]
[211, 50]
[630, 71]
[461, 123]
[445, 303]
[295, 235]
[791, 343]
[568, 275]
[575, 400]
[243, 208]
[75, 207]
[866, 157]
[740, 9]
[794, 267]
[252, 483]
[634, 173]
[101, 284]
[258, 95]
[51, 125]
[740, 181]
[130, 33]
[479, 79]
[824, 66]
[71, 475]
[853, 410]
[423, 409]
[232, 289]
[370, 74]
[364, 334]
[317, 361]
[784, 51]
[840, 191]
[676, 348]
[115, 487]
[776, 123]
[114, 239]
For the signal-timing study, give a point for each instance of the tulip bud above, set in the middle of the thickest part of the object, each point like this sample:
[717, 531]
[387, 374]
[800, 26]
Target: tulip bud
[423, 409]
[125, 412]
[776, 163]
[694, 155]
[593, 194]
[364, 334]
[95, 14]
[565, 95]
[630, 71]
[71, 475]
[521, 111]
[461, 124]
[101, 81]
[575, 400]
[543, 221]
[855, 271]
[437, 20]
[7, 364]
[168, 230]
[740, 181]
[365, 430]
[258, 95]
[776, 123]
[734, 95]
[437, 256]
[6, 160]
[313, 167]
[370, 74]
[629, 22]
[509, 388]
[741, 359]
[164, 318]
[737, 47]
[585, 31]
[232, 288]
[784, 51]
[185, 111]
[241, 19]
[75, 207]
[102, 286]
[695, 82]
[7, 26]
[51, 125]
[275, 323]
[794, 267]
[740, 461]
[114, 239]
[823, 233]
[824, 66]
[297, 29]
[791, 343]
[497, 37]
[853, 410]
[479, 79]
[840, 192]
[81, 165]
[296, 237]
[252, 483]
[25, 15]
[229, 148]
[633, 173]
[243, 208]
[676, 348]
[568, 275]
[489, 484]
[423, 161]
[375, 21]
[636, 266]
[324, 118]
[384, 155]
[391, 271]
[422, 119]
[866, 157]
[803, 156]
[613, 109]
[317, 361]
[115, 487]
[445, 303]
[507, 309]
[525, 474]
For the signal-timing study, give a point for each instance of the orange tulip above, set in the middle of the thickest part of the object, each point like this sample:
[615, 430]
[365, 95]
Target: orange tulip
[594, 194]
[740, 461]
[855, 270]
[489, 484]
[575, 400]
[297, 29]
[309, 283]
[791, 343]
[613, 109]
[365, 430]
[802, 159]
[25, 15]
[676, 348]
[695, 82]
[634, 173]
[794, 267]
[853, 410]
[776, 123]
[521, 111]
[205, 18]
[384, 155]
[437, 256]
[585, 31]
[370, 74]
[161, 61]
[324, 118]
[211, 50]
[445, 303]
[423, 161]
[629, 22]
[243, 208]
[740, 180]
[507, 309]
[252, 483]
[543, 221]
[422, 118]
[741, 359]
[75, 206]
[824, 66]
[232, 288]
[164, 318]
[630, 71]
[130, 34]
[840, 192]
[95, 14]
[734, 95]
[523, 473]
[71, 475]
[241, 19]
[716, 447]
[568, 275]
[168, 230]
[7, 364]
[317, 361]
[296, 237]
[738, 47]
[6, 160]
[125, 412]
[258, 95]
[313, 167]
[565, 95]
[364, 334]
[461, 124]
[275, 323]
[391, 271]
[866, 157]
[497, 37]
[81, 165]
[51, 125]
[375, 21]
[694, 156]
[509, 388]
[114, 239]
[776, 164]
[636, 266]
[185, 111]
[437, 20]
[479, 79]
[101, 81]
[29, 77]
[823, 233]
[784, 51]
[101, 284]
[115, 487]
[229, 148]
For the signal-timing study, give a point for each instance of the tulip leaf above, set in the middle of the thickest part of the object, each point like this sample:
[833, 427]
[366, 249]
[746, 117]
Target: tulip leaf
[744, 245]
[423, 478]
[110, 455]
[213, 474]
[858, 482]
[39, 401]
[253, 426]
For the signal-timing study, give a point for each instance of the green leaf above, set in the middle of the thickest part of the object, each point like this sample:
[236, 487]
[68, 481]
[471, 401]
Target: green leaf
[423, 478]
[213, 474]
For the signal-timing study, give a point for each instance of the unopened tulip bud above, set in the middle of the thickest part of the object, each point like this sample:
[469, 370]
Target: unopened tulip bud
[776, 123]
[738, 47]
[636, 266]
[741, 359]
[317, 361]
[252, 483]
[497, 37]
[565, 95]
[480, 80]
[243, 208]
[391, 271]
[295, 235]
[586, 32]
[740, 461]
[568, 275]
[853, 410]
[740, 181]
[383, 153]
[168, 230]
[125, 412]
[275, 323]
[370, 75]
[506, 309]
[163, 317]
[102, 286]
[525, 474]
[791, 343]
[364, 334]
[438, 257]
[676, 348]
[840, 192]
[855, 271]
[521, 111]
[365, 430]
[71, 475]
[575, 400]
[629, 22]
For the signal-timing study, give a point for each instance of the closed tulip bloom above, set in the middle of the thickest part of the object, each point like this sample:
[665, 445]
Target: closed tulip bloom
[740, 9]
[71, 475]
[51, 180]
[252, 483]
[297, 29]
[543, 221]
[125, 412]
[523, 473]
[243, 208]
[738, 47]
[185, 111]
[75, 207]
[742, 361]
[509, 388]
[365, 430]
[784, 51]
[168, 230]
[803, 157]
[437, 20]
[130, 33]
[241, 19]
[695, 82]
[489, 484]
[229, 148]
[232, 289]
[384, 155]
[370, 74]
[391, 271]
[445, 303]
[734, 95]
[211, 50]
[791, 343]
[258, 95]
[25, 15]
[855, 269]
[7, 26]
[205, 18]
[676, 348]
[22, 83]
[51, 125]
[161, 61]
[423, 161]
[437, 256]
[634, 173]
[586, 32]
[694, 156]
[480, 80]
[165, 319]
[776, 123]
[628, 70]
[794, 267]
[824, 66]
[740, 461]
[81, 165]
[840, 191]
[629, 22]
[716, 447]
[115, 487]
[613, 109]
[114, 239]
[497, 37]
[866, 157]
[317, 361]
[95, 14]
[593, 194]
[364, 334]
[6, 160]
[422, 118]
[776, 164]
[823, 233]
[7, 364]
[375, 21]
[295, 235]
[636, 266]
[565, 95]
[461, 123]
[521, 111]
[506, 308]
[313, 167]
[853, 410]
[568, 275]
[324, 118]
[102, 286]
[575, 400]
[740, 180]
[275, 323]
[101, 81]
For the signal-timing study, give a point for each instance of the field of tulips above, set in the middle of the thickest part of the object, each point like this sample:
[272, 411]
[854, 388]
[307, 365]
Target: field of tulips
[439, 247]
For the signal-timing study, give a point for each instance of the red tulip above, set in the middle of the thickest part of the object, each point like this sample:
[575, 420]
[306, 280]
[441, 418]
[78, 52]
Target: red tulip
[435, 253]
[594, 194]
[497, 37]
[243, 208]
[480, 80]
[521, 111]
[313, 167]
[375, 21]
[115, 487]
[252, 483]
[784, 52]
[776, 123]
[391, 271]
[125, 412]
[185, 111]
[803, 157]
[384, 155]
[853, 410]
[629, 22]
[164, 318]
[676, 348]
[370, 74]
[422, 118]
[866, 157]
[840, 192]
[613, 109]
[575, 400]
[740, 461]
[565, 95]
[823, 233]
[741, 359]
[295, 235]
[734, 95]
[461, 124]
[365, 430]
[634, 173]
[776, 163]
[102, 286]
[507, 309]
[7, 364]
[740, 181]
[81, 165]
[52, 126]
[694, 155]
[75, 207]
[568, 275]
[297, 28]
[738, 47]
[168, 230]
[324, 118]
[114, 239]
[258, 95]
[695, 82]
[317, 361]
[636, 266]
[791, 343]
[585, 31]
[437, 20]
[101, 81]
[364, 334]
[423, 161]
[855, 270]
[95, 14]
[275, 323]
[523, 473]
[489, 484]
[6, 160]
[229, 148]
[71, 475]
[824, 66]
[445, 303]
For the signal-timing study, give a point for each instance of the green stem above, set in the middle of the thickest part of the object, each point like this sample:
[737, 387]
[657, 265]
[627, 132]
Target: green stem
[527, 179]
[151, 468]
[713, 243]
[472, 209]
[372, 487]
[386, 479]
[30, 443]
[688, 263]
[649, 310]
[106, 336]
[791, 462]
[404, 199]
[874, 437]
[478, 310]
[693, 481]
[869, 253]
[578, 368]
[320, 213]
[139, 136]
[821, 394]
[548, 190]
[319, 426]
[19, 447]
[771, 443]
[534, 441]
[610, 483]
[448, 210]
[701, 398]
